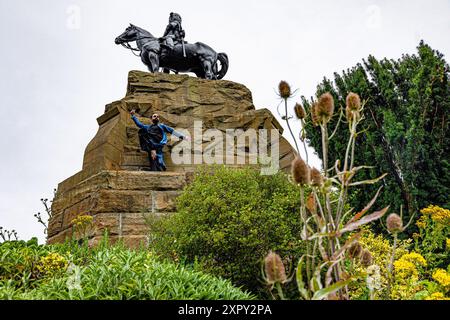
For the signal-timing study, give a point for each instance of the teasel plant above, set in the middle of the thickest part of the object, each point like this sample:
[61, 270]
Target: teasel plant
[285, 93]
[327, 221]
[8, 235]
[47, 207]
[274, 273]
[394, 226]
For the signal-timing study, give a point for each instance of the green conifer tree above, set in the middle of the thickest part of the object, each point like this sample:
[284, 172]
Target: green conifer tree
[406, 128]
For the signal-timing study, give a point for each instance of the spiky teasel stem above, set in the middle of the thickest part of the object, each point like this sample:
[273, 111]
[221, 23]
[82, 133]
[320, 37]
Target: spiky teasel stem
[394, 225]
[301, 174]
[348, 156]
[390, 266]
[301, 115]
[289, 126]
[284, 90]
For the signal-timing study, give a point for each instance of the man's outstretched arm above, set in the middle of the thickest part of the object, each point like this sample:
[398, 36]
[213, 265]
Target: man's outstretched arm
[136, 120]
[175, 133]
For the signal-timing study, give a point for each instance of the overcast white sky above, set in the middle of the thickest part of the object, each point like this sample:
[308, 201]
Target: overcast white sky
[59, 66]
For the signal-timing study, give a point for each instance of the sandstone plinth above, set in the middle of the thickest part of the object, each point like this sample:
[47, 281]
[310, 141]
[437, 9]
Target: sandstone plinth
[112, 186]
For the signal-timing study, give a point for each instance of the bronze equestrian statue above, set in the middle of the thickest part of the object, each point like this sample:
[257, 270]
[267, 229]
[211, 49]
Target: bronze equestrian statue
[172, 53]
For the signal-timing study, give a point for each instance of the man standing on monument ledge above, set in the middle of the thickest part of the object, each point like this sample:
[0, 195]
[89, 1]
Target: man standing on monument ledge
[153, 138]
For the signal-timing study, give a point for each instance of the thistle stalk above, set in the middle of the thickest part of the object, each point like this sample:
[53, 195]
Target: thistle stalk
[390, 266]
[303, 217]
[280, 290]
[302, 138]
[289, 126]
[344, 183]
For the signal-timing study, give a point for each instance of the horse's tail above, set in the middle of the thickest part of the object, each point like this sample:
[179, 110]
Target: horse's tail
[223, 58]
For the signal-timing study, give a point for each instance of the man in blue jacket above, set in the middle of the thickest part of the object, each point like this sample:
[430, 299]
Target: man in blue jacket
[153, 138]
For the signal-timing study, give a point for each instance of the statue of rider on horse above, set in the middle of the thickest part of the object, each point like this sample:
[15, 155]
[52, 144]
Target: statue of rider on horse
[172, 53]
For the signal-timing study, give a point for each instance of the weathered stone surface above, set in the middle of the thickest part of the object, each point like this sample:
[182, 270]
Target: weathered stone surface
[112, 186]
[133, 224]
[106, 221]
[117, 200]
[181, 101]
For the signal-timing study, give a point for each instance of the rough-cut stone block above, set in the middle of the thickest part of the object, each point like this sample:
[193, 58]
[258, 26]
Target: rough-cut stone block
[106, 221]
[60, 237]
[55, 224]
[143, 180]
[134, 224]
[122, 201]
[135, 241]
[83, 207]
[165, 200]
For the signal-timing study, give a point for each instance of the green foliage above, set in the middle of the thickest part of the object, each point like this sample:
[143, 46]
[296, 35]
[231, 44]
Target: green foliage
[228, 221]
[420, 270]
[380, 249]
[433, 238]
[405, 129]
[70, 271]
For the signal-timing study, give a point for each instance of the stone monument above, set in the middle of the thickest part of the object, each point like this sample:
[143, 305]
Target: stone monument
[113, 186]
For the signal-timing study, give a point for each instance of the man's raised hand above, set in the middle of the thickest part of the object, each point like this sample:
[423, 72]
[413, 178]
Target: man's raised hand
[132, 112]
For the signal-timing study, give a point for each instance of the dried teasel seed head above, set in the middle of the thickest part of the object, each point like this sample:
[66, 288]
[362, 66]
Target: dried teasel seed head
[353, 101]
[352, 115]
[325, 107]
[394, 223]
[299, 111]
[300, 171]
[284, 89]
[274, 267]
[366, 258]
[311, 203]
[315, 114]
[355, 249]
[316, 177]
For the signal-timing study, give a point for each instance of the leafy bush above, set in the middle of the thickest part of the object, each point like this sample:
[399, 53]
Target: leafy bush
[228, 220]
[405, 129]
[380, 249]
[68, 271]
[420, 270]
[433, 239]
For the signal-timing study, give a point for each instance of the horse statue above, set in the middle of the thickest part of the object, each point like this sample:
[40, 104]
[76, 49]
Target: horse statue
[197, 57]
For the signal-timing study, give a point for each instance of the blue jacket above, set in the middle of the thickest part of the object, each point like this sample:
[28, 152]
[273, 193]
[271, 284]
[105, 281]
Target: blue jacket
[164, 130]
[163, 141]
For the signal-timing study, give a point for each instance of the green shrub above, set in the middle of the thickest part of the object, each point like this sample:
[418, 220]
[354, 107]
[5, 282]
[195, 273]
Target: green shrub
[433, 239]
[67, 271]
[228, 221]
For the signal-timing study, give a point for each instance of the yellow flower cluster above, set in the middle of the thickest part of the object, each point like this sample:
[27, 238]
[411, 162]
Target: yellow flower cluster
[437, 296]
[405, 269]
[448, 243]
[52, 263]
[421, 223]
[82, 220]
[415, 258]
[381, 250]
[442, 277]
[406, 266]
[437, 214]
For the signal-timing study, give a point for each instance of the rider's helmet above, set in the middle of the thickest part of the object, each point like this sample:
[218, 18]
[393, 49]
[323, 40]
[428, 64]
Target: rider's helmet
[174, 17]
